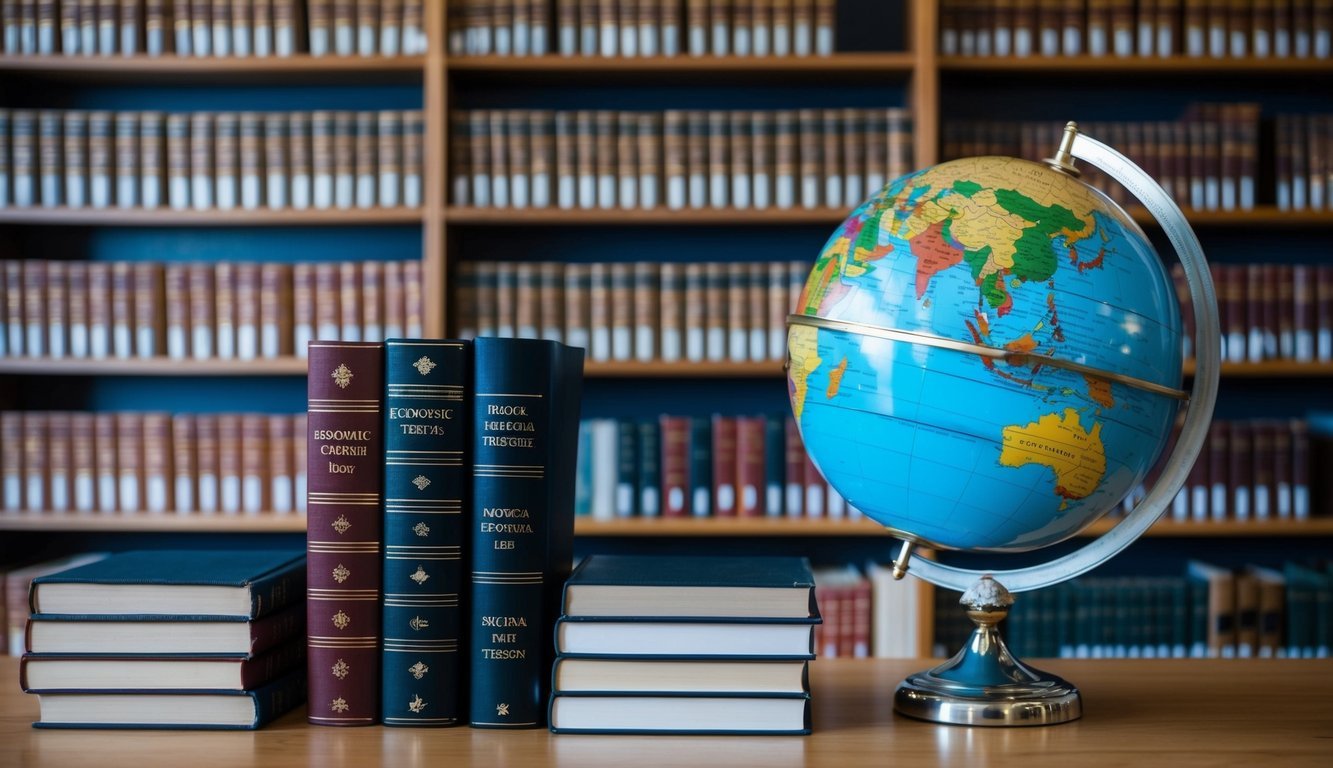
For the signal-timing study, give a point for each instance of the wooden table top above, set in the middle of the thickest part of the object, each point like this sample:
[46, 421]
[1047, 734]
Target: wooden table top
[1212, 713]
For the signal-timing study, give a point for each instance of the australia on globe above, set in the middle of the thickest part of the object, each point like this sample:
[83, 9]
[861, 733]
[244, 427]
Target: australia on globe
[962, 450]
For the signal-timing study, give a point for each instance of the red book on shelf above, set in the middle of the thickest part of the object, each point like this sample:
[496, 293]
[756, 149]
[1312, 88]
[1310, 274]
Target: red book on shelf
[1300, 470]
[1324, 313]
[1240, 475]
[345, 441]
[1268, 468]
[724, 466]
[750, 466]
[675, 466]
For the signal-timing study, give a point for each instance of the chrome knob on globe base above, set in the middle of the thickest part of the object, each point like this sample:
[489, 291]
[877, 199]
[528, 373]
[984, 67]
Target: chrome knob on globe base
[984, 684]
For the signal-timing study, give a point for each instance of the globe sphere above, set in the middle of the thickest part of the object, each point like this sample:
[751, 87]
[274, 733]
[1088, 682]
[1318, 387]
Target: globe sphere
[953, 448]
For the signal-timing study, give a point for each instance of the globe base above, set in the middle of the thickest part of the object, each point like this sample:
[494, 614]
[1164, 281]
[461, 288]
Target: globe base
[984, 684]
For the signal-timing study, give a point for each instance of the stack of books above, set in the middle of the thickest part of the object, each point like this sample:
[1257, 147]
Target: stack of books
[685, 645]
[168, 639]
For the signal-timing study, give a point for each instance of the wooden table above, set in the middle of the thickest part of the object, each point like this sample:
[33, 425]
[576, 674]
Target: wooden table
[1136, 713]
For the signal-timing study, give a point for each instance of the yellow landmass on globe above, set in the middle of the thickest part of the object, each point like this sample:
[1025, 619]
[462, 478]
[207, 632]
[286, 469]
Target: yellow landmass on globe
[835, 379]
[1059, 441]
[802, 347]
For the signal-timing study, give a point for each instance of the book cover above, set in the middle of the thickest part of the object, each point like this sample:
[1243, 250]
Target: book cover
[685, 714]
[683, 586]
[56, 673]
[526, 415]
[344, 497]
[427, 438]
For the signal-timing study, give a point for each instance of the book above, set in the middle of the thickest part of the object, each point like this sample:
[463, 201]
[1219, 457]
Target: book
[637, 637]
[223, 710]
[684, 586]
[72, 634]
[426, 441]
[525, 436]
[50, 673]
[248, 583]
[679, 675]
[688, 713]
[344, 498]
[19, 579]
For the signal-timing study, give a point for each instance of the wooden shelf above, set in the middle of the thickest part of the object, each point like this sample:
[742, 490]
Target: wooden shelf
[144, 522]
[777, 526]
[159, 366]
[1262, 216]
[682, 370]
[677, 69]
[142, 68]
[164, 217]
[640, 217]
[1148, 66]
[1271, 369]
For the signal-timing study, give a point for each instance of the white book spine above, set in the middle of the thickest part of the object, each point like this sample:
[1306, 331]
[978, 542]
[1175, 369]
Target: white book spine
[184, 493]
[208, 492]
[106, 491]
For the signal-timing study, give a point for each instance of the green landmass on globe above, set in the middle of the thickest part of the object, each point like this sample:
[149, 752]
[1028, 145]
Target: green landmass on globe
[962, 450]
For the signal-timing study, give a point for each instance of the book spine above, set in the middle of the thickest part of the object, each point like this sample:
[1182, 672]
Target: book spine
[345, 491]
[675, 465]
[56, 321]
[551, 300]
[701, 467]
[426, 439]
[201, 311]
[390, 21]
[11, 461]
[122, 310]
[281, 472]
[78, 310]
[248, 291]
[526, 415]
[627, 466]
[157, 455]
[185, 467]
[750, 483]
[149, 312]
[649, 469]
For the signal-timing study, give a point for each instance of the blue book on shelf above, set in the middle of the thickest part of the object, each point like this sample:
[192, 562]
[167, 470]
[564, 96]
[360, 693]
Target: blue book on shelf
[426, 445]
[243, 710]
[526, 396]
[244, 583]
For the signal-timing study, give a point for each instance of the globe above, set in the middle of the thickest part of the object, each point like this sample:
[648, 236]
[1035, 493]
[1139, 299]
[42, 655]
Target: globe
[986, 356]
[945, 443]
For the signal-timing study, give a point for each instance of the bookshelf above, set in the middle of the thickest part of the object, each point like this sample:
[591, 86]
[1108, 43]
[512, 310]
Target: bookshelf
[448, 235]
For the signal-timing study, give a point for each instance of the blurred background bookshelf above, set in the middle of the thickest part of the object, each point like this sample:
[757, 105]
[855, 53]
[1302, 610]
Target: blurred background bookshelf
[939, 75]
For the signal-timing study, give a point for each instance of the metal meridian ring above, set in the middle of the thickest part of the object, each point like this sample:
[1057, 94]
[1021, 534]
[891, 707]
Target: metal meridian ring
[984, 350]
[1199, 413]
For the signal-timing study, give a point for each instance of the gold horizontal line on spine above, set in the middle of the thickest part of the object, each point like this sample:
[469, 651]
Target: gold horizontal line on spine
[341, 598]
[397, 595]
[348, 639]
[344, 546]
[506, 573]
[423, 557]
[514, 466]
[350, 409]
[336, 495]
[415, 343]
[414, 511]
[423, 452]
[420, 719]
[398, 644]
[387, 649]
[501, 582]
[330, 591]
[420, 603]
[343, 400]
[508, 394]
[436, 502]
[513, 475]
[410, 548]
[316, 502]
[508, 725]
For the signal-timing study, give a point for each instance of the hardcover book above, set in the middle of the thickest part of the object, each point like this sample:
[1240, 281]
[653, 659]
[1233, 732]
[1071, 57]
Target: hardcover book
[655, 714]
[526, 410]
[247, 583]
[426, 484]
[756, 587]
[343, 533]
[51, 673]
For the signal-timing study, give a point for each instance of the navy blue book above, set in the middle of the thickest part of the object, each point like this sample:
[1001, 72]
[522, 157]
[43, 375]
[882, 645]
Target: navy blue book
[243, 710]
[525, 433]
[426, 442]
[676, 587]
[241, 583]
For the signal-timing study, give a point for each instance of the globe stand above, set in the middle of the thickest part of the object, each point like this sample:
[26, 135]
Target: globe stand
[984, 684]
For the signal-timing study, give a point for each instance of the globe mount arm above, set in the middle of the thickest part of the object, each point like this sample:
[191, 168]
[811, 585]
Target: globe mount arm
[1199, 411]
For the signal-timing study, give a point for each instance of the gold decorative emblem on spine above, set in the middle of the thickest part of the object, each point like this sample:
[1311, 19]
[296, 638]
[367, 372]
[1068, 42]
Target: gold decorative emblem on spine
[420, 576]
[418, 623]
[339, 705]
[421, 529]
[502, 710]
[341, 573]
[341, 669]
[418, 670]
[341, 524]
[341, 620]
[424, 366]
[417, 704]
[342, 375]
[421, 481]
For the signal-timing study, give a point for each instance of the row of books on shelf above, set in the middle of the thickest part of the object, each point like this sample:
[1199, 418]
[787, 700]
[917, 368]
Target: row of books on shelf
[167, 638]
[635, 311]
[1253, 470]
[632, 28]
[183, 311]
[718, 466]
[224, 28]
[1267, 311]
[211, 160]
[679, 159]
[1195, 28]
[160, 463]
[1207, 612]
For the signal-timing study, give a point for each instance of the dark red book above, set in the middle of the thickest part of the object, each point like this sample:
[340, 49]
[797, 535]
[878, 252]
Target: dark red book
[1279, 496]
[1197, 483]
[345, 442]
[1300, 470]
[1241, 473]
[750, 466]
[815, 495]
[675, 465]
[794, 474]
[724, 466]
[1323, 306]
[1267, 469]
[1219, 453]
[1303, 279]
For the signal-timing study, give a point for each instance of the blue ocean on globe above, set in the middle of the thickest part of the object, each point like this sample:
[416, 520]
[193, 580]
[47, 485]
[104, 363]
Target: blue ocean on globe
[954, 449]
